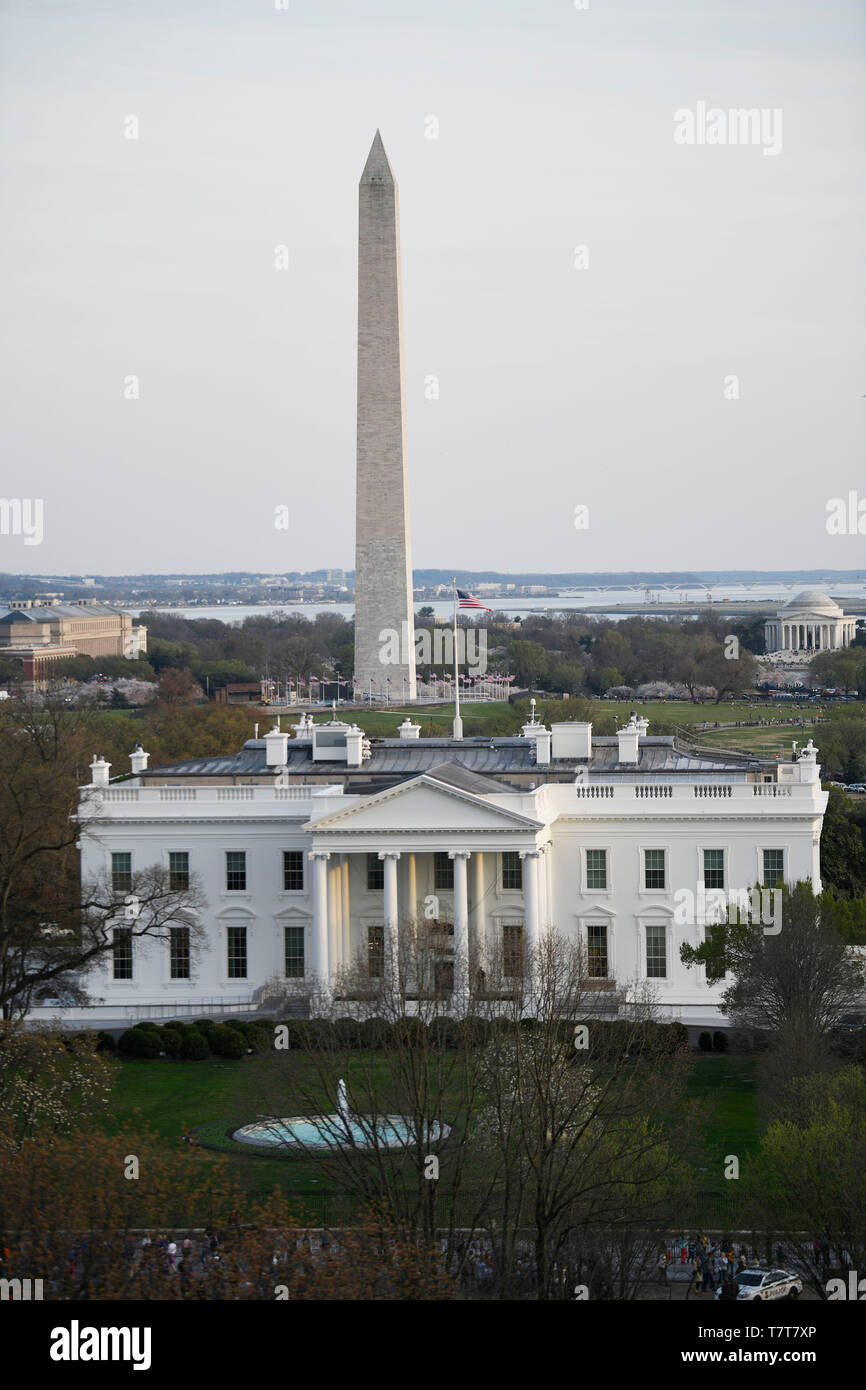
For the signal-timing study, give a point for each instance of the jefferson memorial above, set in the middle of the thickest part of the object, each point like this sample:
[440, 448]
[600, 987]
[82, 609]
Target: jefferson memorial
[810, 621]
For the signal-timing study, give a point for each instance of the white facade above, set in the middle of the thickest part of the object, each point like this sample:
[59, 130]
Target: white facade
[809, 622]
[605, 853]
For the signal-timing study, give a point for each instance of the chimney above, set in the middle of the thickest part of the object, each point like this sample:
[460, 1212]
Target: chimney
[138, 759]
[807, 762]
[99, 771]
[276, 747]
[354, 746]
[572, 739]
[542, 746]
[409, 730]
[628, 741]
[304, 729]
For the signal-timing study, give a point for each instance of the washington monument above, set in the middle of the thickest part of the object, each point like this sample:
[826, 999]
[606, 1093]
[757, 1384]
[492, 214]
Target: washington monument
[383, 551]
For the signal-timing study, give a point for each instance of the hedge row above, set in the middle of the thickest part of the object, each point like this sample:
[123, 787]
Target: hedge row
[235, 1038]
[193, 1042]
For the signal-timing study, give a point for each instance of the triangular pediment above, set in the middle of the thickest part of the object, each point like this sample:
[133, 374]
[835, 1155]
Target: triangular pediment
[423, 804]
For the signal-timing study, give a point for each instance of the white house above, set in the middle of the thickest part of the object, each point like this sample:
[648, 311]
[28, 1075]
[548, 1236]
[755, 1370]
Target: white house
[317, 848]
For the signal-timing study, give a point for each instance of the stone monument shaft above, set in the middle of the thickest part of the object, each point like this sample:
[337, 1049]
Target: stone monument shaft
[383, 551]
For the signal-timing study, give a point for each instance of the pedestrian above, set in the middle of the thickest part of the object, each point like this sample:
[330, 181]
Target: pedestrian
[663, 1266]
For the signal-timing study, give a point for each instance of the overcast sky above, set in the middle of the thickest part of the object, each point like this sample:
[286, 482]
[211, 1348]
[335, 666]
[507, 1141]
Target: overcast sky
[558, 387]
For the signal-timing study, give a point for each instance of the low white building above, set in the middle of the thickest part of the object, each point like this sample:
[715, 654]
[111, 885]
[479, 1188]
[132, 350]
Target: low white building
[314, 850]
[809, 622]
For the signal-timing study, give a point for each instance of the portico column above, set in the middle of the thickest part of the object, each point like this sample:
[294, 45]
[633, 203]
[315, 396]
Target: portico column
[392, 972]
[548, 884]
[461, 929]
[335, 917]
[530, 905]
[347, 923]
[480, 909]
[411, 888]
[319, 860]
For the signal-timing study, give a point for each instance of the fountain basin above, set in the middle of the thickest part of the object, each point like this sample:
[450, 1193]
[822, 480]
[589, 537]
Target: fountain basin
[337, 1131]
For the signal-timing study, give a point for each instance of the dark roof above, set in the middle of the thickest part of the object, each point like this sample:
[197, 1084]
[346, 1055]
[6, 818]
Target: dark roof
[48, 612]
[455, 774]
[399, 759]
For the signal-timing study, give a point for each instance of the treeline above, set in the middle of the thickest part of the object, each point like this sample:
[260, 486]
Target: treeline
[565, 654]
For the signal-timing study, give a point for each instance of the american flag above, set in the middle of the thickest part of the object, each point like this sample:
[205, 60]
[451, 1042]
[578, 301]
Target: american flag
[465, 600]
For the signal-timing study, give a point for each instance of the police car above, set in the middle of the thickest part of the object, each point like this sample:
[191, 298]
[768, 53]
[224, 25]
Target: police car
[768, 1283]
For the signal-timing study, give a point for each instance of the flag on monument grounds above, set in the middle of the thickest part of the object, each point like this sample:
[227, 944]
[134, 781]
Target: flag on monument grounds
[465, 600]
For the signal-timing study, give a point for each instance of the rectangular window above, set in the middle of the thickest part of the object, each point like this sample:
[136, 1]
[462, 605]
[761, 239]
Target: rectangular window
[121, 873]
[443, 977]
[512, 871]
[236, 943]
[376, 951]
[178, 871]
[654, 868]
[443, 872]
[714, 868]
[774, 867]
[293, 870]
[596, 942]
[236, 870]
[122, 953]
[512, 950]
[294, 944]
[179, 953]
[596, 868]
[375, 873]
[656, 953]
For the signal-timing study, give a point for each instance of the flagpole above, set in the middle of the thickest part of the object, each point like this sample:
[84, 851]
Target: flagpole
[458, 722]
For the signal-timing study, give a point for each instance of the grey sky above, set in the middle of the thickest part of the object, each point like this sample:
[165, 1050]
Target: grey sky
[558, 386]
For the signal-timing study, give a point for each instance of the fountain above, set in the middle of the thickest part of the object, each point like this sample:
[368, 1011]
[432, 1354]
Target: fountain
[343, 1129]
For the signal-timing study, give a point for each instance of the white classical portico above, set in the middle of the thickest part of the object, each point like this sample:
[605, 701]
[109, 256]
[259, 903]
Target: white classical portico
[810, 621]
[443, 818]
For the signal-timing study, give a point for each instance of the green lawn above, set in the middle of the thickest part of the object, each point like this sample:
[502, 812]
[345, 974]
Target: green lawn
[500, 717]
[726, 1086]
[763, 740]
[171, 1098]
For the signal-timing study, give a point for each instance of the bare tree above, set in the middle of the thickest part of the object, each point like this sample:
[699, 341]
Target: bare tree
[53, 929]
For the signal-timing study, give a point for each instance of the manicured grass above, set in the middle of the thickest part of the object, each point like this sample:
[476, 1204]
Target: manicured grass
[498, 717]
[765, 739]
[172, 1098]
[726, 1085]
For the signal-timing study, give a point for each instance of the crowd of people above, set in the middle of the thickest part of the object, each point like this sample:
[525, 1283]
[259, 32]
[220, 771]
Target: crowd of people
[712, 1265]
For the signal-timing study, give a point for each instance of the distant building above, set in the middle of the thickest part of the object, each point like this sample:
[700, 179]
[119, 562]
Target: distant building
[39, 634]
[809, 622]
